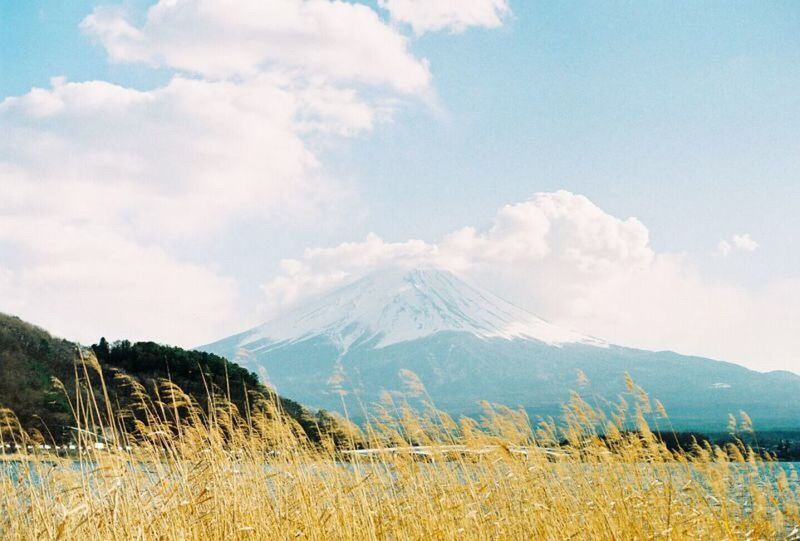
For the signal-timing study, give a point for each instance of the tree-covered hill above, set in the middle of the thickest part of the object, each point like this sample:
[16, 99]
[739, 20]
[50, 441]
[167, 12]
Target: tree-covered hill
[30, 359]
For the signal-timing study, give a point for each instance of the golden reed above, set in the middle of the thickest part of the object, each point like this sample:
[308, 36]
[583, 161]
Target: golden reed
[168, 468]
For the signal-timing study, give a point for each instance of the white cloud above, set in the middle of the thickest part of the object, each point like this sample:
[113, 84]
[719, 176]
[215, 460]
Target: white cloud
[563, 238]
[183, 158]
[567, 260]
[724, 248]
[97, 178]
[320, 38]
[81, 282]
[737, 243]
[100, 181]
[745, 242]
[454, 15]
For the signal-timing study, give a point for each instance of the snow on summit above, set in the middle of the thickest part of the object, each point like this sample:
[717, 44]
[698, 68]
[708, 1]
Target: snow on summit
[398, 305]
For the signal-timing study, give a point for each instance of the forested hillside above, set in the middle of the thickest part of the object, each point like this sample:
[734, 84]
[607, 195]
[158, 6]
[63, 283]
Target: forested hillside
[31, 360]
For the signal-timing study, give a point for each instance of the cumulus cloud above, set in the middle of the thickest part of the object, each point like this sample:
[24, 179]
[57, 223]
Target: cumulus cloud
[99, 181]
[563, 238]
[177, 159]
[320, 38]
[453, 15]
[737, 243]
[567, 260]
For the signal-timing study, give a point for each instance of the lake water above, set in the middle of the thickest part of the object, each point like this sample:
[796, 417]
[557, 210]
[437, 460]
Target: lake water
[18, 472]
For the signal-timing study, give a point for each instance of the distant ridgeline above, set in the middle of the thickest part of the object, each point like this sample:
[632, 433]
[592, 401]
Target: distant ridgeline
[30, 358]
[465, 344]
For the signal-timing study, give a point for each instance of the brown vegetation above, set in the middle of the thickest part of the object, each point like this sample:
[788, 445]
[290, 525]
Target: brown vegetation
[220, 473]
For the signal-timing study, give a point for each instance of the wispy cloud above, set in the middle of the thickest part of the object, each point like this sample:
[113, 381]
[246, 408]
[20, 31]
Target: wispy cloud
[453, 15]
[737, 243]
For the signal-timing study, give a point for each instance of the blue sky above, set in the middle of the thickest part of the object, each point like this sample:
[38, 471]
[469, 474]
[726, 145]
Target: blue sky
[683, 115]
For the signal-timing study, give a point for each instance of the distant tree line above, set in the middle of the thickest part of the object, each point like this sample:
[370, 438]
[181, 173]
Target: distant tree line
[31, 361]
[202, 376]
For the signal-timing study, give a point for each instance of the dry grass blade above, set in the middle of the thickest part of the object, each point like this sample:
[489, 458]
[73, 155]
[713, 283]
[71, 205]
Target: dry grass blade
[215, 474]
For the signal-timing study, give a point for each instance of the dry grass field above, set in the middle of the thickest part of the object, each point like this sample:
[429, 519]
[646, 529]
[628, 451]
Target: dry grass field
[175, 470]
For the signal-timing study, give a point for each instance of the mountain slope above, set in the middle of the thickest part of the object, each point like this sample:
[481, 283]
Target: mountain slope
[397, 305]
[30, 357]
[466, 345]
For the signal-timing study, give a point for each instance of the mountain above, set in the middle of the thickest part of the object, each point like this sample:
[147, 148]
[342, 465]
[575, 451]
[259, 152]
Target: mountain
[467, 344]
[396, 305]
[30, 358]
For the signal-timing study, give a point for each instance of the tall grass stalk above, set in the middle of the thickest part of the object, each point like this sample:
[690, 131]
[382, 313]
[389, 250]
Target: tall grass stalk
[168, 468]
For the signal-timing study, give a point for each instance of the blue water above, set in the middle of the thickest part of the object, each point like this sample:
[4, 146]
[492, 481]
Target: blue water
[20, 471]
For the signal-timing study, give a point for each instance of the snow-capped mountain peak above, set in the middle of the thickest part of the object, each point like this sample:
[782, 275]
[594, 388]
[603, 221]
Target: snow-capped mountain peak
[344, 350]
[397, 305]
